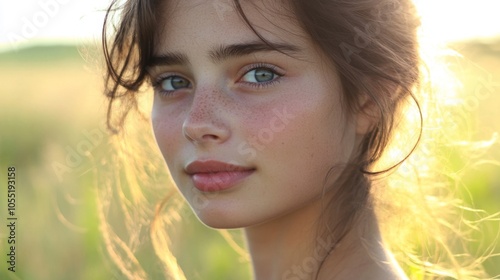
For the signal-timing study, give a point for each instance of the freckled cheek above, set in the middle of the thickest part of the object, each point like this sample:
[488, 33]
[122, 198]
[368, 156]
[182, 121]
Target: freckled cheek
[168, 132]
[268, 128]
[259, 124]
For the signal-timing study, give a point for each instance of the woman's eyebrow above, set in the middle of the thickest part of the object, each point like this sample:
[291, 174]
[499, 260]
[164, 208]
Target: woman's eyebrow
[167, 58]
[222, 53]
[235, 50]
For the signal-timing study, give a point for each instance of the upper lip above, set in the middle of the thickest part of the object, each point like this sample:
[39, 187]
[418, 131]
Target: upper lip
[213, 166]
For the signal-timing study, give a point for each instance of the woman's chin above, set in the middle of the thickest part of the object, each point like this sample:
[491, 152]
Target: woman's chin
[221, 219]
[224, 215]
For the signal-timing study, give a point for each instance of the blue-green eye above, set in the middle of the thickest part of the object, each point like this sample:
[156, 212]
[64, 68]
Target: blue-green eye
[174, 83]
[260, 75]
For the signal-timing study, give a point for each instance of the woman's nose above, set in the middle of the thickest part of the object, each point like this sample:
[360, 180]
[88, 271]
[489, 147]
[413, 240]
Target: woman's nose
[206, 121]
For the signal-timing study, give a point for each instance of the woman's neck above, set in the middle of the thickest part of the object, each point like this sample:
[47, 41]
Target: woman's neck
[279, 246]
[290, 247]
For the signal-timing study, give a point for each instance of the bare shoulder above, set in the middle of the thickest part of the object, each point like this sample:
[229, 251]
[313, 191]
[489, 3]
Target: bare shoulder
[383, 273]
[386, 275]
[380, 274]
[370, 271]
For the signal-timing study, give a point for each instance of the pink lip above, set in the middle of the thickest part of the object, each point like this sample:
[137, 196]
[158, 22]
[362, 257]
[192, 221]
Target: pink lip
[213, 176]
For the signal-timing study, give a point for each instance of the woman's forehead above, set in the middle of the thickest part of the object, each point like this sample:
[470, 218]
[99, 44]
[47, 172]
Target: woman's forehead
[191, 21]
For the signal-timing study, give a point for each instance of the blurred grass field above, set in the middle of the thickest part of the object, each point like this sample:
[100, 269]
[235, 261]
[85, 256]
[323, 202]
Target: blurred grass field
[50, 101]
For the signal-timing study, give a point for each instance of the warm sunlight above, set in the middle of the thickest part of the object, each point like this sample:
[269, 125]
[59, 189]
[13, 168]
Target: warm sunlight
[454, 20]
[47, 21]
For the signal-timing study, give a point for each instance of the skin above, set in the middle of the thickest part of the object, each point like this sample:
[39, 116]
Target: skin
[291, 130]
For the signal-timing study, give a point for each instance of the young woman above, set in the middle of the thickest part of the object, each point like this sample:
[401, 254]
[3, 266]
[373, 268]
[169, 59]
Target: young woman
[274, 117]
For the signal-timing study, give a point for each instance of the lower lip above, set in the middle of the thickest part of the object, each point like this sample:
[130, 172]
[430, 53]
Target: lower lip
[214, 182]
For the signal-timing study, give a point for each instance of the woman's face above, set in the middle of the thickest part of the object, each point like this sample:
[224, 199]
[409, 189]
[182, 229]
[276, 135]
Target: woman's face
[248, 133]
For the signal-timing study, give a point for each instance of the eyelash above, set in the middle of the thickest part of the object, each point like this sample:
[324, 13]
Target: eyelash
[157, 82]
[275, 70]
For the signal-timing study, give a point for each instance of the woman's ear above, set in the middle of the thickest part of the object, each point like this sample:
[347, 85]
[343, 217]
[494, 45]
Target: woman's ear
[371, 106]
[367, 115]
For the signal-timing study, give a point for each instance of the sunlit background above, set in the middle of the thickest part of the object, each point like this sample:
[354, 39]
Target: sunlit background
[49, 21]
[50, 103]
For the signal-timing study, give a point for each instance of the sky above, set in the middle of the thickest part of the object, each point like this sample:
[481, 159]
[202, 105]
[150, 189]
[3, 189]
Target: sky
[54, 21]
[49, 21]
